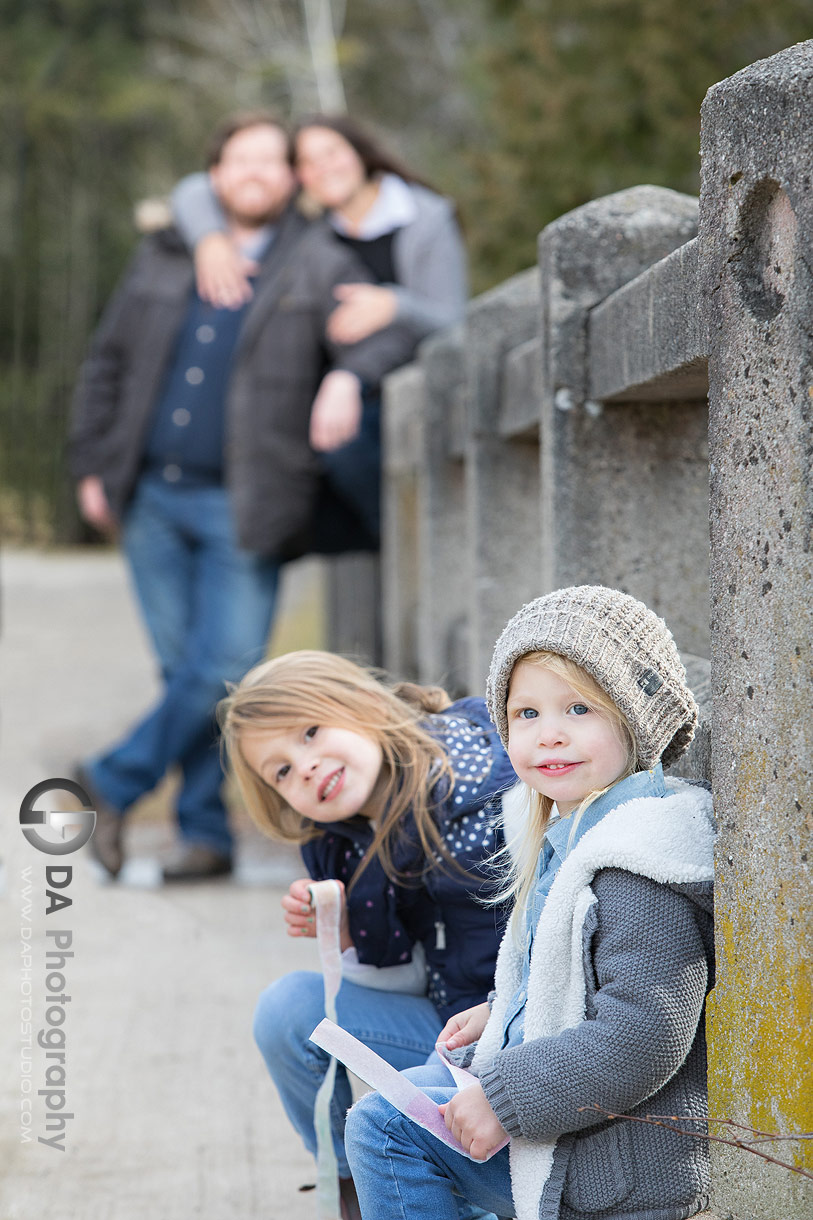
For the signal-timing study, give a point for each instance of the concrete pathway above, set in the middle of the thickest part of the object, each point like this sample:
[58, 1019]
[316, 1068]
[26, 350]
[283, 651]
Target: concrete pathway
[173, 1115]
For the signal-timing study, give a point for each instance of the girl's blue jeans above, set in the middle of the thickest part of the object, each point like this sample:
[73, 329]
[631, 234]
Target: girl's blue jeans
[400, 1028]
[402, 1172]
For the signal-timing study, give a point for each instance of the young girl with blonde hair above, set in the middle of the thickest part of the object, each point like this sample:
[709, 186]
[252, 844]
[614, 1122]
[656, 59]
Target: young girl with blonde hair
[598, 1010]
[395, 793]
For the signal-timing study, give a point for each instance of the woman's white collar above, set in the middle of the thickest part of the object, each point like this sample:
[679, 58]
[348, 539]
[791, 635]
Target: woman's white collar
[394, 208]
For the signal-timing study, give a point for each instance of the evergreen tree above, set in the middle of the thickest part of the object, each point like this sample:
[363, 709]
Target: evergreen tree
[586, 97]
[87, 126]
[518, 109]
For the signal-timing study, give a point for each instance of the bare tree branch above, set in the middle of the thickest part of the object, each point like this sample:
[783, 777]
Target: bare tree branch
[667, 1121]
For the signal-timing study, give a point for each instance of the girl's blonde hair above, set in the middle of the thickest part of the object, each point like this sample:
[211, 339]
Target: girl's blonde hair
[319, 688]
[521, 854]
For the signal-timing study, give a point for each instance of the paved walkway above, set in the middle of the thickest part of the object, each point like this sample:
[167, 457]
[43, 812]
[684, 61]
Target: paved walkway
[173, 1116]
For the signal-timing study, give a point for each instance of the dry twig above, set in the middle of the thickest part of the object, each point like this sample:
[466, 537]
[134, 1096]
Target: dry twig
[667, 1121]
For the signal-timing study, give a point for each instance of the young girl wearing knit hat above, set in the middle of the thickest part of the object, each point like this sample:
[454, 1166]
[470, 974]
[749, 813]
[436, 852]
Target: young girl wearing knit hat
[598, 1008]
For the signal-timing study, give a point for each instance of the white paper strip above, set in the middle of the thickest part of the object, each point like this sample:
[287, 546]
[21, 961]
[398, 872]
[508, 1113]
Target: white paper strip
[391, 1084]
[326, 899]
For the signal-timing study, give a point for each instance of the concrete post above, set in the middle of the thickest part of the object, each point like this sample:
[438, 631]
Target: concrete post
[502, 474]
[757, 252]
[353, 606]
[623, 484]
[444, 578]
[402, 423]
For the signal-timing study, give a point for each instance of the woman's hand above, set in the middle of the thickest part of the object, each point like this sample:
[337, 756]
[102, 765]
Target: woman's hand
[473, 1123]
[336, 411]
[464, 1027]
[300, 914]
[221, 272]
[93, 504]
[364, 309]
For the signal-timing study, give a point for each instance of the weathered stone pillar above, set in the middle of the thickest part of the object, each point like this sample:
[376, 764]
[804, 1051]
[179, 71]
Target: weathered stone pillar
[623, 482]
[757, 253]
[353, 606]
[502, 467]
[402, 423]
[444, 576]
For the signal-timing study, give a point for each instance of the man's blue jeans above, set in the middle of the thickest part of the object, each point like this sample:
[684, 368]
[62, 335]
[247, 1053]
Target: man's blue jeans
[208, 606]
[402, 1172]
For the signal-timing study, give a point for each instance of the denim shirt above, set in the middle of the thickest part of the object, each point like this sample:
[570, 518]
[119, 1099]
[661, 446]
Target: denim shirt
[185, 441]
[555, 847]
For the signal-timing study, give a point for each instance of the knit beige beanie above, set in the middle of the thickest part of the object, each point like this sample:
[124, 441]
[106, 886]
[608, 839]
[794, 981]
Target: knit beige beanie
[625, 646]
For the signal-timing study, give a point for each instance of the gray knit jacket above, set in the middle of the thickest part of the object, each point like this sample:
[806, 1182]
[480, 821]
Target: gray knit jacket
[622, 962]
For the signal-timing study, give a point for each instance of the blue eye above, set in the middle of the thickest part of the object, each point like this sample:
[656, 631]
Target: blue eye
[528, 713]
[580, 709]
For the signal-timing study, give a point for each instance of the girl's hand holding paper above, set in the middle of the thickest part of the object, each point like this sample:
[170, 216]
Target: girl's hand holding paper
[463, 1028]
[400, 1092]
[473, 1123]
[301, 915]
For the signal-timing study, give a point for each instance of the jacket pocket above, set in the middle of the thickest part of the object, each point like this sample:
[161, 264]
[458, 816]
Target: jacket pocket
[600, 1170]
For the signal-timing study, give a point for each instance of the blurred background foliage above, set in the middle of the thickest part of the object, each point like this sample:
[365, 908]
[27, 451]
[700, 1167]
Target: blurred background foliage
[519, 109]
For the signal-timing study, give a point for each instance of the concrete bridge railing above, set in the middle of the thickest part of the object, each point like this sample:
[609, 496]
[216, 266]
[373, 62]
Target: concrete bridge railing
[566, 434]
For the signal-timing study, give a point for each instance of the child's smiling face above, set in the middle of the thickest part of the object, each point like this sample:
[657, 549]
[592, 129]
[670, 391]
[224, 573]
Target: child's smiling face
[323, 772]
[557, 742]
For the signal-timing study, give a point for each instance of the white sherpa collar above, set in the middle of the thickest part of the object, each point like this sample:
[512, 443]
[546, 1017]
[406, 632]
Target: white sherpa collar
[669, 839]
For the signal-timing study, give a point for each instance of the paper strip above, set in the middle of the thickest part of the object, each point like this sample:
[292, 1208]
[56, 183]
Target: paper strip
[326, 897]
[391, 1084]
[462, 1078]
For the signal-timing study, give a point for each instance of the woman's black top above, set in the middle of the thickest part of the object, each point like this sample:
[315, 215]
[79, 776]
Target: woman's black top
[376, 254]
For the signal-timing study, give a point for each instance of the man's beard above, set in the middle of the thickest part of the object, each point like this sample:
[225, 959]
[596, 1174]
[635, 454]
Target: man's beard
[252, 220]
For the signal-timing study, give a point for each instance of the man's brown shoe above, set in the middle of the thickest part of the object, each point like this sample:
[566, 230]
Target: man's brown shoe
[349, 1200]
[195, 862]
[106, 842]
